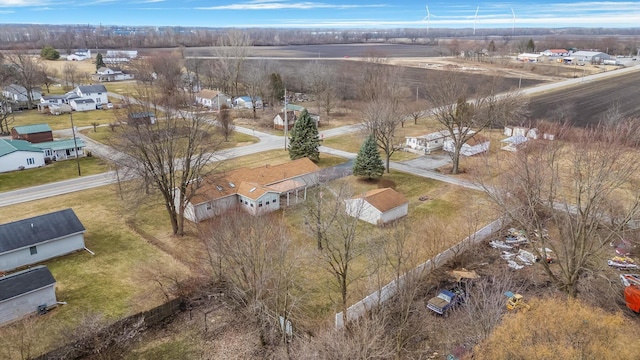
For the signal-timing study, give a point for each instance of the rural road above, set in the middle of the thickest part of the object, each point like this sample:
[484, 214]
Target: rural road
[267, 142]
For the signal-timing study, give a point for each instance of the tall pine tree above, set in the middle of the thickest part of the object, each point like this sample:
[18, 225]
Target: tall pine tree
[304, 141]
[99, 61]
[368, 163]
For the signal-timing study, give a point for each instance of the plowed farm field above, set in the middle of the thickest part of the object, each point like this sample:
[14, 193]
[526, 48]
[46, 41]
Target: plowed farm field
[586, 103]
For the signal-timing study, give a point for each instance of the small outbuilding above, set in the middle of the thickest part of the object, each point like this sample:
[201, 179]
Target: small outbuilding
[141, 118]
[475, 145]
[36, 133]
[26, 292]
[33, 240]
[379, 206]
[82, 104]
[279, 120]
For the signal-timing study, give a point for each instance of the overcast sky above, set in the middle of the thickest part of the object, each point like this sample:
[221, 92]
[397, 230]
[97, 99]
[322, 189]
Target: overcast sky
[325, 14]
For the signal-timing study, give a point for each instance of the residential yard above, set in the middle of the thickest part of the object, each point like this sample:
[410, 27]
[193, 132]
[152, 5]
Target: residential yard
[56, 171]
[61, 122]
[115, 282]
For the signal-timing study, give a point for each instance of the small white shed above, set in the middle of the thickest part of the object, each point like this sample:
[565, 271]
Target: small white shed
[475, 145]
[378, 206]
[26, 292]
[33, 240]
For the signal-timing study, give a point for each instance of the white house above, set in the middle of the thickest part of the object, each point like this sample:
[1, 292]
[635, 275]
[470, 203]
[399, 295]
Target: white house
[33, 240]
[475, 145]
[528, 57]
[98, 93]
[47, 100]
[378, 206]
[246, 102]
[555, 52]
[105, 74]
[18, 155]
[213, 99]
[278, 120]
[79, 55]
[426, 143]
[62, 149]
[26, 292]
[18, 93]
[82, 104]
[119, 56]
[255, 190]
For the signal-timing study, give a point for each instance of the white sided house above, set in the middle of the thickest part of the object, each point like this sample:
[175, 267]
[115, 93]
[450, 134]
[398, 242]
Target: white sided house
[19, 155]
[255, 190]
[426, 143]
[245, 102]
[528, 57]
[62, 149]
[26, 292]
[19, 94]
[33, 240]
[213, 99]
[80, 55]
[82, 104]
[97, 93]
[105, 74]
[378, 206]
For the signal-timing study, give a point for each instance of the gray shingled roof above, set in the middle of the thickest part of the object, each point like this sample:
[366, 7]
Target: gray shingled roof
[25, 281]
[35, 230]
[87, 89]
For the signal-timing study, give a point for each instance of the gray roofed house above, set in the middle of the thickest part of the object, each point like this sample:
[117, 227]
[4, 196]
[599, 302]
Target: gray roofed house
[26, 292]
[40, 238]
[96, 92]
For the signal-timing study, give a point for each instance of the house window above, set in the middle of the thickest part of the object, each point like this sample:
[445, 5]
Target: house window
[260, 203]
[245, 202]
[267, 202]
[209, 206]
[30, 161]
[240, 200]
[251, 204]
[33, 250]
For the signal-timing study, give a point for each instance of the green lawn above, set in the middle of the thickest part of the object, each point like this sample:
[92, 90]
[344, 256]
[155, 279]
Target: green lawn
[117, 281]
[56, 171]
[80, 119]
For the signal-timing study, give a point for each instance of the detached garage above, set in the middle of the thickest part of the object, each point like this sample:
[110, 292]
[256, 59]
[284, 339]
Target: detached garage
[378, 206]
[26, 292]
[82, 104]
[40, 238]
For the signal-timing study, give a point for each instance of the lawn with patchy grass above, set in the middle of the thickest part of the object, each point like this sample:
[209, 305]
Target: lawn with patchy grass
[60, 122]
[117, 280]
[55, 171]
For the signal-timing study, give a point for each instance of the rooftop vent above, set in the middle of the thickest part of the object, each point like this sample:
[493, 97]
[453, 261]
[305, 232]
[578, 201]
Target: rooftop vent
[232, 185]
[252, 189]
[219, 187]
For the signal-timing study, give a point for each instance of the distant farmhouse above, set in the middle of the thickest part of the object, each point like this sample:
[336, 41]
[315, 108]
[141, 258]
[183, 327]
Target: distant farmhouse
[82, 98]
[80, 55]
[213, 99]
[105, 74]
[119, 56]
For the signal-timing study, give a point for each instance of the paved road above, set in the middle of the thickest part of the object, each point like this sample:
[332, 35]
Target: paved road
[268, 142]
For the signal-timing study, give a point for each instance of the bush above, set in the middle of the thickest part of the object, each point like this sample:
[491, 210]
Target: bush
[49, 53]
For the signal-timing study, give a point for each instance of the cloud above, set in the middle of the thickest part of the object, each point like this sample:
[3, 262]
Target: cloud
[22, 3]
[280, 5]
[151, 1]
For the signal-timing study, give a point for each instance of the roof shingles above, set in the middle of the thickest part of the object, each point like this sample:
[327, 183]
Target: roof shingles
[25, 281]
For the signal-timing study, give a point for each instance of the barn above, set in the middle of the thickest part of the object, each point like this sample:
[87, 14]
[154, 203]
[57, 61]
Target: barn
[378, 206]
[33, 240]
[36, 133]
[26, 292]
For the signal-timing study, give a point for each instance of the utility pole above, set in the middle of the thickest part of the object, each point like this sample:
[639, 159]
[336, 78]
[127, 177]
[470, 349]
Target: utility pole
[286, 121]
[75, 143]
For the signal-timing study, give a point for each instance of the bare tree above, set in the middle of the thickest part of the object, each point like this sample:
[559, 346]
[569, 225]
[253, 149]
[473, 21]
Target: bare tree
[321, 79]
[225, 122]
[462, 117]
[170, 156]
[254, 254]
[48, 76]
[581, 190]
[27, 72]
[70, 73]
[231, 52]
[342, 241]
[256, 82]
[168, 71]
[381, 119]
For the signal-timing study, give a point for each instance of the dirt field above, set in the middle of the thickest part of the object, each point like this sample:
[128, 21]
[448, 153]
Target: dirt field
[586, 103]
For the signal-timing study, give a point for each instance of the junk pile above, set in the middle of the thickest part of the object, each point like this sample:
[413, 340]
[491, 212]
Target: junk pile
[512, 253]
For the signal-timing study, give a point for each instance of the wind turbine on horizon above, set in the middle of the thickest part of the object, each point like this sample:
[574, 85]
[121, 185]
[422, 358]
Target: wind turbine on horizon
[427, 18]
[475, 20]
[513, 23]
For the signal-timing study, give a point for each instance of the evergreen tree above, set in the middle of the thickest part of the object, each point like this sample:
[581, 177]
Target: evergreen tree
[49, 53]
[531, 46]
[368, 163]
[304, 141]
[99, 61]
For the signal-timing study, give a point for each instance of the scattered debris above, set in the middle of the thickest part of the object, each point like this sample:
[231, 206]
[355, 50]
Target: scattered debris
[464, 274]
[497, 244]
[623, 262]
[526, 257]
[547, 253]
[514, 265]
[631, 291]
[515, 236]
[623, 247]
[507, 255]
